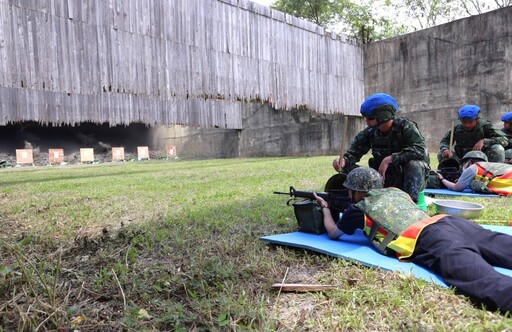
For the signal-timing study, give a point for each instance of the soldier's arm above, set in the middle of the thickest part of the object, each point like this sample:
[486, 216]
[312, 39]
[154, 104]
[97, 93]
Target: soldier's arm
[494, 136]
[414, 145]
[445, 141]
[359, 147]
[463, 181]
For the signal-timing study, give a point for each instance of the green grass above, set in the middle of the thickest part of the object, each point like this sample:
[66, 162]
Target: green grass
[173, 245]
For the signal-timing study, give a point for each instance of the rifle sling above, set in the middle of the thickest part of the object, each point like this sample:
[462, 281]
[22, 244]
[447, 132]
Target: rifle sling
[485, 181]
[381, 247]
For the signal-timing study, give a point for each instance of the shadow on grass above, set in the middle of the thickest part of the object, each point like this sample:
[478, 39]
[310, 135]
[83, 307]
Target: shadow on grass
[188, 269]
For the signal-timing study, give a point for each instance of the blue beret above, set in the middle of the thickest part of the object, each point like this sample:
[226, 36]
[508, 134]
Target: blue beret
[507, 117]
[469, 112]
[375, 100]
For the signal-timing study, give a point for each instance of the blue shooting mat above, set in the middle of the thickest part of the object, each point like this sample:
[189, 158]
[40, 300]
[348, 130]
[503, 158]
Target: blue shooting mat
[357, 248]
[446, 192]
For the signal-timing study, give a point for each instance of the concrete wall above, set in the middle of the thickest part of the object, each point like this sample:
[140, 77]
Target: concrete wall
[266, 132]
[433, 72]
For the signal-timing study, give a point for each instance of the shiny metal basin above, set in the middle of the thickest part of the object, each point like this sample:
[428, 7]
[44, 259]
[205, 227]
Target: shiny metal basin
[458, 208]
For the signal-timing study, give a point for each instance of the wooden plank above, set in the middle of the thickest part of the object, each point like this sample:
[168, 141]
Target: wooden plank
[101, 52]
[5, 45]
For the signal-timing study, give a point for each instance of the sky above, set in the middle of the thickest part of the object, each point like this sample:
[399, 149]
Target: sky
[264, 2]
[395, 13]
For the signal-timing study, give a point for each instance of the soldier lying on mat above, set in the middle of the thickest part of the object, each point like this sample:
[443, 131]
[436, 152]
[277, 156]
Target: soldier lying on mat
[481, 176]
[460, 251]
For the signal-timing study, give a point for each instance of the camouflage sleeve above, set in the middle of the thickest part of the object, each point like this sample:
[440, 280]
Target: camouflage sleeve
[494, 136]
[414, 147]
[509, 138]
[445, 141]
[359, 147]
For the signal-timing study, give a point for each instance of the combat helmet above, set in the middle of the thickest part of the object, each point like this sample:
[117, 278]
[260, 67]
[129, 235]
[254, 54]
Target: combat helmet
[469, 112]
[363, 179]
[379, 105]
[507, 117]
[474, 155]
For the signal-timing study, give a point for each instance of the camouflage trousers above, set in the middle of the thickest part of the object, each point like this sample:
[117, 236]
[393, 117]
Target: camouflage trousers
[478, 187]
[410, 177]
[495, 154]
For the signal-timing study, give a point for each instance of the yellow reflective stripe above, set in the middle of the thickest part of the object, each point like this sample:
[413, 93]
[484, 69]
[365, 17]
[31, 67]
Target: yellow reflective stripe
[403, 246]
[381, 232]
[405, 243]
[501, 185]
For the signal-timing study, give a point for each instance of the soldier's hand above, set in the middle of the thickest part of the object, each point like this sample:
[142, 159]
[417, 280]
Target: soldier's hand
[320, 201]
[446, 154]
[479, 145]
[338, 164]
[384, 167]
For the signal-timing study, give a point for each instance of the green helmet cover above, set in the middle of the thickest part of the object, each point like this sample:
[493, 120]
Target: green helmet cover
[384, 113]
[363, 179]
[474, 155]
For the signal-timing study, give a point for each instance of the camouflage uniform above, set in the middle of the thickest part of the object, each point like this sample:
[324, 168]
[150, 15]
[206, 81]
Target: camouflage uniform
[494, 141]
[394, 218]
[509, 137]
[406, 145]
[508, 148]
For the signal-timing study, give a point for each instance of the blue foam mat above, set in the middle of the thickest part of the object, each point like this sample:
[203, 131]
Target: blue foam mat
[446, 192]
[357, 248]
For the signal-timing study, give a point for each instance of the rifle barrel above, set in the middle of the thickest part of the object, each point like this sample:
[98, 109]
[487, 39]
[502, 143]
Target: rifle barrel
[302, 194]
[283, 193]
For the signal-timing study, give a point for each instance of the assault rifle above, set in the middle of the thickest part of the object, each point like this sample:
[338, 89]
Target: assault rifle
[337, 199]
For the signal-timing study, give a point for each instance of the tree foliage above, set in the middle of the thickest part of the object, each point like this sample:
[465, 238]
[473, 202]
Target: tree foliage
[475, 7]
[357, 20]
[428, 13]
[369, 20]
[325, 13]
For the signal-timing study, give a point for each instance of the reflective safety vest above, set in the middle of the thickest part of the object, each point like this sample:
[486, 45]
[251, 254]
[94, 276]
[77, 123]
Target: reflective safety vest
[393, 221]
[497, 177]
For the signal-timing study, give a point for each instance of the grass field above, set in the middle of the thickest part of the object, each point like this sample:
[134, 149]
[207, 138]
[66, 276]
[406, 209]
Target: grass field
[174, 246]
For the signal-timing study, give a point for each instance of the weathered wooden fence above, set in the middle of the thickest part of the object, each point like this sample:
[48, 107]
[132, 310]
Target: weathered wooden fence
[160, 62]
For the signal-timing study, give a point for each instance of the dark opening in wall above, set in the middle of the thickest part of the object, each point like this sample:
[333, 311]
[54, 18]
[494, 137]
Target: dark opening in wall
[100, 137]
